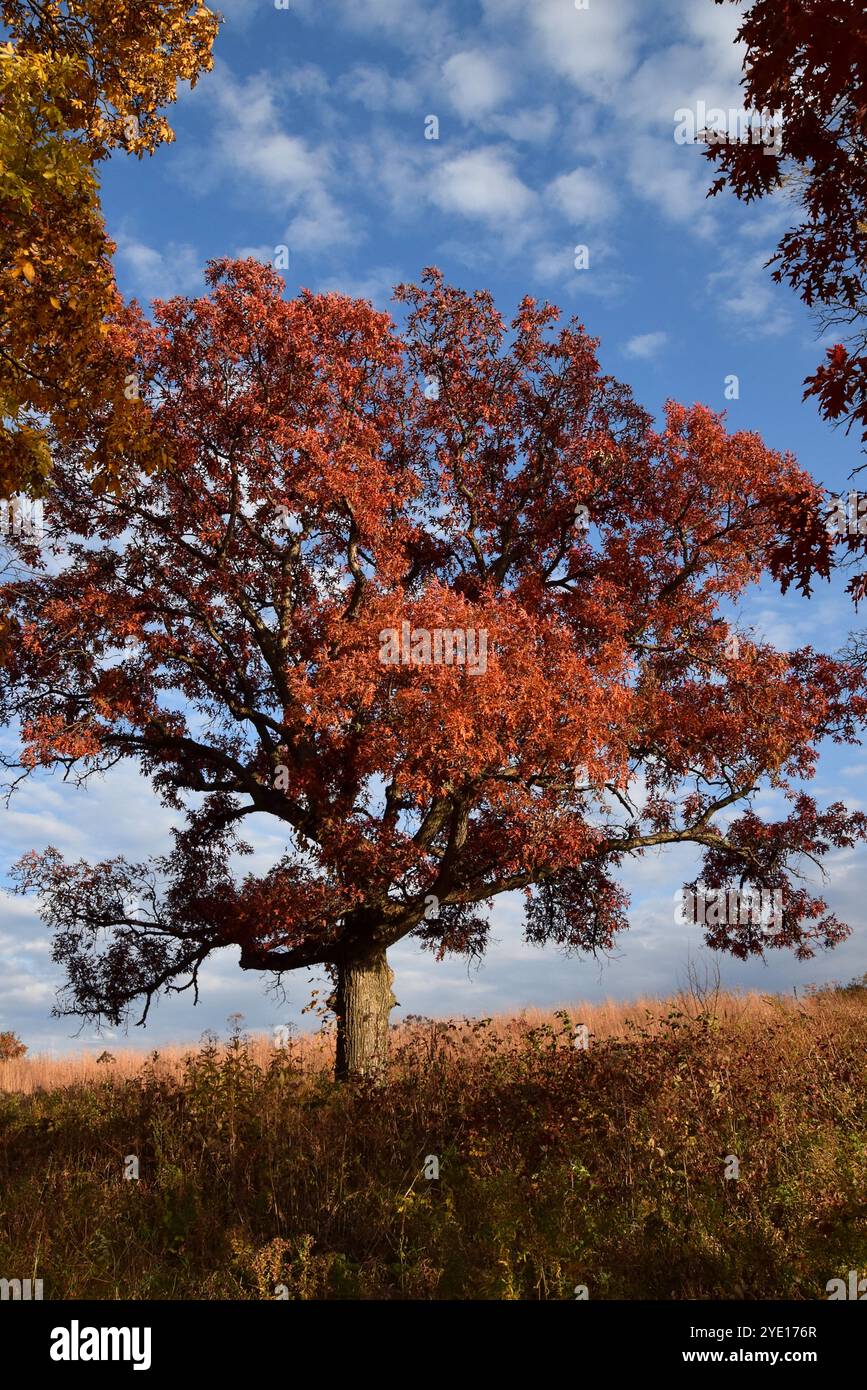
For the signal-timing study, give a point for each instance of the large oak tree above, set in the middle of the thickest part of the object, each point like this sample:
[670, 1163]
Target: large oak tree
[224, 623]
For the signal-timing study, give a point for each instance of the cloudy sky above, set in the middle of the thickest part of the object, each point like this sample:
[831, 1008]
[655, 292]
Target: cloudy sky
[555, 129]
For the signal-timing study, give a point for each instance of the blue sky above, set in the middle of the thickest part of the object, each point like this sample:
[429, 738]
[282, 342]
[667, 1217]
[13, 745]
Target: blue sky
[555, 130]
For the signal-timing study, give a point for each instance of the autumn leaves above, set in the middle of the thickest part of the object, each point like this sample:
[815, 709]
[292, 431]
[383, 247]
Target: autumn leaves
[76, 82]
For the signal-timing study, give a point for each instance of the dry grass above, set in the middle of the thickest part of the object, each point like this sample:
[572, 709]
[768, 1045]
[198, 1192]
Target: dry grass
[315, 1051]
[258, 1177]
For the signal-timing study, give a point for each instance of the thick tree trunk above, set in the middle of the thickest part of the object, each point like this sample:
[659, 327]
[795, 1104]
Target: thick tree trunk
[363, 1001]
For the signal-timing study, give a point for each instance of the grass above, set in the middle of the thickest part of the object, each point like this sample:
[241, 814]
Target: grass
[558, 1167]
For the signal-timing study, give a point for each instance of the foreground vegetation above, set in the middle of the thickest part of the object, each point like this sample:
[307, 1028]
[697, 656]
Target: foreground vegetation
[558, 1167]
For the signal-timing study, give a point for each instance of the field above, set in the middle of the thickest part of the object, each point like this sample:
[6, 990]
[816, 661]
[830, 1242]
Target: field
[708, 1146]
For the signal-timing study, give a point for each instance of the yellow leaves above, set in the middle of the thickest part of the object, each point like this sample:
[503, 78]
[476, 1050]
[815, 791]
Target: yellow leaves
[60, 115]
[25, 460]
[22, 267]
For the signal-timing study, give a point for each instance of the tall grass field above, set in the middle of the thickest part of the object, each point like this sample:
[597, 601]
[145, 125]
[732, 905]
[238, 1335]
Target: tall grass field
[708, 1146]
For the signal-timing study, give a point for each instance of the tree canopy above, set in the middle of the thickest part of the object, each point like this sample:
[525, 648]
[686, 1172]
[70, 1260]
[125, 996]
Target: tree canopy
[338, 487]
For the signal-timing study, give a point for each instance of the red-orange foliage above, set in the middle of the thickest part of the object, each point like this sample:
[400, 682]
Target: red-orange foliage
[432, 478]
[11, 1047]
[808, 60]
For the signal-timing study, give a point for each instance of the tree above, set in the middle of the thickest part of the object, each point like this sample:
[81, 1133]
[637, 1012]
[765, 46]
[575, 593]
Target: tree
[807, 59]
[11, 1047]
[431, 603]
[78, 79]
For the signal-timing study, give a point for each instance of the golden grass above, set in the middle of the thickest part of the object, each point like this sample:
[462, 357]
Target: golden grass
[559, 1167]
[611, 1018]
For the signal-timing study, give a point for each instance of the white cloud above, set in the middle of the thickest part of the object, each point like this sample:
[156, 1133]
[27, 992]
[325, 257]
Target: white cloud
[158, 274]
[413, 25]
[236, 12]
[320, 222]
[675, 180]
[553, 263]
[715, 26]
[248, 138]
[531, 125]
[262, 253]
[377, 285]
[378, 90]
[745, 293]
[594, 48]
[765, 222]
[305, 80]
[677, 76]
[497, 10]
[475, 83]
[399, 169]
[483, 184]
[582, 196]
[250, 145]
[646, 345]
[630, 118]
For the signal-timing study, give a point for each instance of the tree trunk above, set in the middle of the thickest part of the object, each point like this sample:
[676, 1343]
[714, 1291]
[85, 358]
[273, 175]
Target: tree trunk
[363, 1001]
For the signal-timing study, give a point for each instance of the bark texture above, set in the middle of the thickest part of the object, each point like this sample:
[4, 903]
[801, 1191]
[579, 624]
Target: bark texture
[363, 1001]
